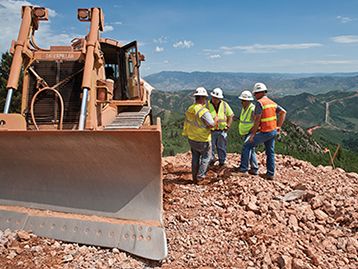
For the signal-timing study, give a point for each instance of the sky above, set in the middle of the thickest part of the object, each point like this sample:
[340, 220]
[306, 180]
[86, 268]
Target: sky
[276, 36]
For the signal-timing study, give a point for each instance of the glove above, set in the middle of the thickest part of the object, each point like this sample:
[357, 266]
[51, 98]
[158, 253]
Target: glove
[278, 130]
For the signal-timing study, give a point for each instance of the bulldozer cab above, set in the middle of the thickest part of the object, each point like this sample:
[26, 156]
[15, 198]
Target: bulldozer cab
[122, 65]
[69, 161]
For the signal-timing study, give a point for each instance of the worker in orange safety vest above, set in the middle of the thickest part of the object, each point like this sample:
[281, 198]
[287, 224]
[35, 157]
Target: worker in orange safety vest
[266, 128]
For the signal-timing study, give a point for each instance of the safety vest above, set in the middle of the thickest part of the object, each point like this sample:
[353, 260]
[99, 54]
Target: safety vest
[194, 128]
[222, 118]
[246, 119]
[268, 121]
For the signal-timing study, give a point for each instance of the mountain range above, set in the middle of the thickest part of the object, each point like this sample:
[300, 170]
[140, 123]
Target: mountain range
[307, 124]
[233, 83]
[305, 109]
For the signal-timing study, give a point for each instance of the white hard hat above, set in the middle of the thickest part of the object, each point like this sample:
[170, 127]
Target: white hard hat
[259, 87]
[246, 95]
[200, 92]
[218, 93]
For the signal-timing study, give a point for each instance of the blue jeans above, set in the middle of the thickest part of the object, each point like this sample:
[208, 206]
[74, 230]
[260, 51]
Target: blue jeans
[218, 142]
[254, 167]
[268, 139]
[201, 153]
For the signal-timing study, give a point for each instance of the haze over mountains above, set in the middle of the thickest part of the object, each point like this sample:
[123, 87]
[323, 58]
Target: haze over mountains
[233, 83]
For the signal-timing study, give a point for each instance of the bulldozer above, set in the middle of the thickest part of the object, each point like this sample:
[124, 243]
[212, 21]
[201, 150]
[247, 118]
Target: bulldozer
[81, 162]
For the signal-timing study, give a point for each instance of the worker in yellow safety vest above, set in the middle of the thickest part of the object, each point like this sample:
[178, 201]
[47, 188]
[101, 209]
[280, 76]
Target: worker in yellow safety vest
[197, 125]
[246, 122]
[266, 126]
[221, 111]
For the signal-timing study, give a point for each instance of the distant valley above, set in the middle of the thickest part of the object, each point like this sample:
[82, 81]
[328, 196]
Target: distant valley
[305, 110]
[233, 83]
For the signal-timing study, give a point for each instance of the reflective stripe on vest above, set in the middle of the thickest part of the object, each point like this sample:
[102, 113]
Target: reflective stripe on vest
[194, 128]
[222, 118]
[246, 119]
[268, 121]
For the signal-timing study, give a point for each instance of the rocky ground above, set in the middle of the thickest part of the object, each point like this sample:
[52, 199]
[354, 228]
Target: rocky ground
[306, 218]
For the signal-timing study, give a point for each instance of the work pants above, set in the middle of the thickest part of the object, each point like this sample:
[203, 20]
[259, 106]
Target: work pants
[254, 167]
[268, 139]
[201, 153]
[218, 143]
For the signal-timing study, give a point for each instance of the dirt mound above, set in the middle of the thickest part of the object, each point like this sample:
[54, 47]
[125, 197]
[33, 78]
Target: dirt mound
[306, 218]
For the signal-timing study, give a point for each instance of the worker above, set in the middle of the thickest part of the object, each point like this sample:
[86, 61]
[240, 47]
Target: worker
[220, 110]
[266, 127]
[246, 122]
[197, 125]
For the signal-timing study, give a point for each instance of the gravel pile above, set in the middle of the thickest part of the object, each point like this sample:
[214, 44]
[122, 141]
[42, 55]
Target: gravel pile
[306, 218]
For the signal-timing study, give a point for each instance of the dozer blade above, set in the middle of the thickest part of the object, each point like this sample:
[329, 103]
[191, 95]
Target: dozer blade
[92, 187]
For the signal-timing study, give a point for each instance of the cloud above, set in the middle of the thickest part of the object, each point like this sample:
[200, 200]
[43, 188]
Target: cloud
[265, 48]
[51, 13]
[45, 36]
[160, 40]
[329, 62]
[228, 52]
[139, 43]
[159, 49]
[10, 13]
[214, 56]
[346, 39]
[108, 28]
[210, 50]
[183, 44]
[343, 19]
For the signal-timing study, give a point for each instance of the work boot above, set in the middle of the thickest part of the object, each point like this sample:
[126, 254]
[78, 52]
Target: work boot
[212, 161]
[267, 177]
[253, 172]
[241, 173]
[203, 180]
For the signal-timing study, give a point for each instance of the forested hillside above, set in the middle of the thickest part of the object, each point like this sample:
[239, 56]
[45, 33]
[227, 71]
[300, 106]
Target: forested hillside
[297, 142]
[278, 83]
[305, 110]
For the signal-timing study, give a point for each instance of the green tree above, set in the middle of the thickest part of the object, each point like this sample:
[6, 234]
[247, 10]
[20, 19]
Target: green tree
[5, 65]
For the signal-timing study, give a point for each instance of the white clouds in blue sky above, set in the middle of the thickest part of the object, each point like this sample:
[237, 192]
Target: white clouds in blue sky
[346, 39]
[262, 48]
[214, 56]
[210, 35]
[159, 49]
[344, 19]
[183, 44]
[108, 28]
[161, 40]
[10, 14]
